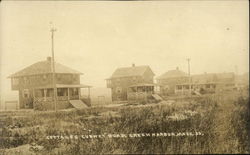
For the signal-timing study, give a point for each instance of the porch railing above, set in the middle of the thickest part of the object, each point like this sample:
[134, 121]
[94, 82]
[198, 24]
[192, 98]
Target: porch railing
[139, 95]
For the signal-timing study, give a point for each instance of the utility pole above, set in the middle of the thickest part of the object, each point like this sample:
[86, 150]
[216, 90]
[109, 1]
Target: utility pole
[189, 76]
[236, 69]
[236, 77]
[53, 68]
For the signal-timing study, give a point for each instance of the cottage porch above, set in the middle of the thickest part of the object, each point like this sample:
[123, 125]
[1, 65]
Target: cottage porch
[184, 89]
[140, 92]
[64, 93]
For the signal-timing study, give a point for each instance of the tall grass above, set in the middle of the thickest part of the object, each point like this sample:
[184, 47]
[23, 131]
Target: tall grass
[223, 119]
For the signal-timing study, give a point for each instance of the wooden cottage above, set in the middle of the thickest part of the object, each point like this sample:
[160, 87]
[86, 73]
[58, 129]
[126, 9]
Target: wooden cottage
[125, 81]
[177, 82]
[207, 83]
[170, 79]
[36, 90]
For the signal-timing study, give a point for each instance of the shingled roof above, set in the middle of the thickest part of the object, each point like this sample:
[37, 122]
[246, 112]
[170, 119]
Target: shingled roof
[130, 71]
[44, 67]
[173, 74]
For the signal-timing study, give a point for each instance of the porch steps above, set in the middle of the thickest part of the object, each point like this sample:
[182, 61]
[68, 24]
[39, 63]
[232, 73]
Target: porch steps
[78, 104]
[197, 93]
[157, 97]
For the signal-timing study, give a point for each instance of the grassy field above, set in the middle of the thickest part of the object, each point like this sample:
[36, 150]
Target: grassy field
[223, 121]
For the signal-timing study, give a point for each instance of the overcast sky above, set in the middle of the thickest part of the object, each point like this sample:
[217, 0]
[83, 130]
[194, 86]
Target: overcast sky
[97, 37]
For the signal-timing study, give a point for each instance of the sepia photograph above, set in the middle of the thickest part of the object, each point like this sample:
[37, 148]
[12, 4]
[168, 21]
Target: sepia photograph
[124, 77]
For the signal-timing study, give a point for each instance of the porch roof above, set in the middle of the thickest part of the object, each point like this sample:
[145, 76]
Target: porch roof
[144, 84]
[65, 86]
[202, 83]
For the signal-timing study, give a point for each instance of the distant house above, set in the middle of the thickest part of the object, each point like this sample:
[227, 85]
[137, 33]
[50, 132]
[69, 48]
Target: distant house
[178, 82]
[207, 83]
[130, 79]
[35, 86]
[170, 79]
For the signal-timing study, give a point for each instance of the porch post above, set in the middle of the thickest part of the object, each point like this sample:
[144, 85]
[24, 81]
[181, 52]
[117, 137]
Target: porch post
[88, 92]
[45, 94]
[33, 92]
[79, 93]
[136, 93]
[68, 94]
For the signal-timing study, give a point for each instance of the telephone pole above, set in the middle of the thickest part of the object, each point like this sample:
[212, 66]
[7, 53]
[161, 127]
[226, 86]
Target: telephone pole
[53, 68]
[189, 76]
[236, 69]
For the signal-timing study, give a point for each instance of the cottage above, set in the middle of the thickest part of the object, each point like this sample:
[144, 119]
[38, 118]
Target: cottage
[207, 83]
[36, 89]
[126, 80]
[170, 79]
[179, 82]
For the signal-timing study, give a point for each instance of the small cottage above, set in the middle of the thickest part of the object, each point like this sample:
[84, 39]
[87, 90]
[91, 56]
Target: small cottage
[178, 82]
[170, 79]
[36, 89]
[207, 83]
[124, 81]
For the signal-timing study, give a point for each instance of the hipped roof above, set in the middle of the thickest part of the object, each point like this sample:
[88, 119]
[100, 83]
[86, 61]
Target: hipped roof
[173, 74]
[44, 67]
[131, 71]
[65, 86]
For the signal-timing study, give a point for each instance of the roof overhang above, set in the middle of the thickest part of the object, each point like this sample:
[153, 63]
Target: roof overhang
[202, 83]
[144, 85]
[65, 86]
[15, 76]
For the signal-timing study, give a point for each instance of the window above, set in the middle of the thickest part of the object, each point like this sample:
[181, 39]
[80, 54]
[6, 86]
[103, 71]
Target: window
[44, 77]
[25, 79]
[58, 77]
[109, 82]
[74, 77]
[26, 93]
[179, 87]
[50, 92]
[15, 81]
[62, 92]
[75, 92]
[134, 79]
[39, 93]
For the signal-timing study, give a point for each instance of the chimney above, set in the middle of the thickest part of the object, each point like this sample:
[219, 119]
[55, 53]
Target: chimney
[177, 68]
[133, 65]
[49, 59]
